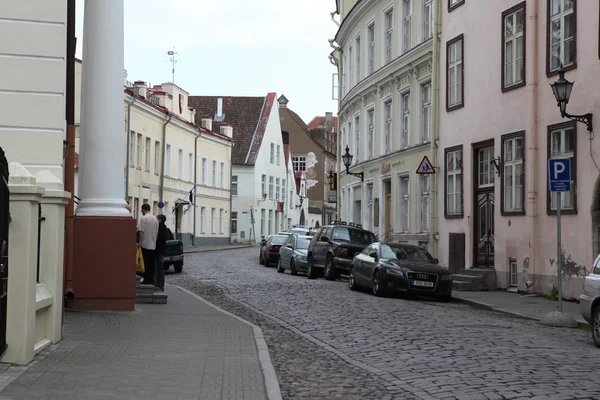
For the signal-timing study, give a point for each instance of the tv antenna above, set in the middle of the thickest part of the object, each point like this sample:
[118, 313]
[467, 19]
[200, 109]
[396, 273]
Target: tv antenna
[174, 61]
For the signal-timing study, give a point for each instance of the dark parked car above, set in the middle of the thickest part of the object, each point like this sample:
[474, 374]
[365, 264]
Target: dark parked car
[332, 249]
[269, 253]
[173, 255]
[395, 267]
[292, 255]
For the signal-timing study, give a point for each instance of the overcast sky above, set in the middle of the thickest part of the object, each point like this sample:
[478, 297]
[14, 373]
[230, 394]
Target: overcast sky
[233, 48]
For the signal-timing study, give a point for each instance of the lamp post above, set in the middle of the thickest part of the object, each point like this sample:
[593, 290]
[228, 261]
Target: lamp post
[347, 159]
[562, 89]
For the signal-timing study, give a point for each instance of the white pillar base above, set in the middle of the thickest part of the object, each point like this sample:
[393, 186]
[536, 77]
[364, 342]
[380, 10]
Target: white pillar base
[102, 208]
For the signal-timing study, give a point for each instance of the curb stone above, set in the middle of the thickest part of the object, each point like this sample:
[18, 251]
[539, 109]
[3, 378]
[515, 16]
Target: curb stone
[269, 375]
[196, 250]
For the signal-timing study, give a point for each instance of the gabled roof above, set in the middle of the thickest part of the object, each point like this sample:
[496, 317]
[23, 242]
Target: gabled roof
[296, 126]
[247, 115]
[319, 121]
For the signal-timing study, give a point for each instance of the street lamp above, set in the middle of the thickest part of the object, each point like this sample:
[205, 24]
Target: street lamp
[347, 159]
[562, 89]
[301, 199]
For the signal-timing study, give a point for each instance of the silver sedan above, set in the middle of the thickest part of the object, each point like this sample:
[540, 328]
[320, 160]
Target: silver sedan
[589, 301]
[292, 255]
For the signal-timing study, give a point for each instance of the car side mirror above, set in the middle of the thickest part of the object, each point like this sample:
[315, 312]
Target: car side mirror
[324, 239]
[436, 261]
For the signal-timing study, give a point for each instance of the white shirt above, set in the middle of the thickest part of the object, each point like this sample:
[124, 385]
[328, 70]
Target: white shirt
[149, 225]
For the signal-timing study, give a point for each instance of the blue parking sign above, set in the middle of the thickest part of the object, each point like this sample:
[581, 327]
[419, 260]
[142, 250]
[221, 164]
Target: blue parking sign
[559, 174]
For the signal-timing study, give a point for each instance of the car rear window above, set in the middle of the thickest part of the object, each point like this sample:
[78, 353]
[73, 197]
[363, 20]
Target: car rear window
[596, 269]
[302, 243]
[353, 235]
[278, 239]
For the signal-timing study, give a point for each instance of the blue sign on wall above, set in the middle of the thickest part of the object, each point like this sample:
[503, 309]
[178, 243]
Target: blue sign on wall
[559, 174]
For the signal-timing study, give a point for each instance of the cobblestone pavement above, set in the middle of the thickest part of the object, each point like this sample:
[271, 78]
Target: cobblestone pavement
[327, 342]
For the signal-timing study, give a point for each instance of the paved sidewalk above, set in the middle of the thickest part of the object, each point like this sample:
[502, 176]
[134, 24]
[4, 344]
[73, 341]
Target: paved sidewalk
[205, 248]
[186, 349]
[526, 306]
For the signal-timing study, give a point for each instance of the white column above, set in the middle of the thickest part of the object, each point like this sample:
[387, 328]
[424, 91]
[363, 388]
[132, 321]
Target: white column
[102, 124]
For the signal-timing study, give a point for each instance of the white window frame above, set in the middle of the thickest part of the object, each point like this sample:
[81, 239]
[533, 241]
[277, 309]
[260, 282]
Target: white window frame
[424, 202]
[203, 219]
[370, 142]
[156, 156]
[221, 221]
[513, 270]
[270, 187]
[567, 199]
[426, 117]
[404, 126]
[560, 18]
[214, 173]
[403, 203]
[357, 151]
[263, 185]
[234, 218]
[180, 164]
[272, 155]
[213, 222]
[234, 185]
[168, 160]
[406, 25]
[138, 160]
[204, 171]
[454, 177]
[278, 155]
[513, 75]
[147, 154]
[454, 74]
[386, 143]
[191, 167]
[485, 167]
[358, 52]
[132, 137]
[388, 35]
[350, 73]
[371, 43]
[222, 177]
[277, 188]
[299, 163]
[283, 190]
[427, 20]
[370, 204]
[511, 165]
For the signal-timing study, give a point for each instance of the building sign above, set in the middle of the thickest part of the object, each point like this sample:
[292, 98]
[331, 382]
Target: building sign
[385, 168]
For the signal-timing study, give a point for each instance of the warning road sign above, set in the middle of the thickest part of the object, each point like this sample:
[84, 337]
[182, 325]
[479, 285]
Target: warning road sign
[425, 167]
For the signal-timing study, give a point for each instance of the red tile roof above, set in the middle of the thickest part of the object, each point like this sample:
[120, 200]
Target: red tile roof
[320, 121]
[247, 115]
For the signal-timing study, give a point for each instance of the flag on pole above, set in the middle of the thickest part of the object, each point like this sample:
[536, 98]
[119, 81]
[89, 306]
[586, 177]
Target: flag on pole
[191, 195]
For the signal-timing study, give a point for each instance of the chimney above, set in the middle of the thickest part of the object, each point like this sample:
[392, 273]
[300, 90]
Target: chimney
[226, 130]
[141, 88]
[206, 122]
[285, 137]
[329, 121]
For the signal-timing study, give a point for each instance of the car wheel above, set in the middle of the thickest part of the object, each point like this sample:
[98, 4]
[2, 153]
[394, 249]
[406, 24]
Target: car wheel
[293, 268]
[312, 271]
[351, 281]
[166, 267]
[260, 259]
[280, 269]
[330, 272]
[596, 326]
[178, 266]
[378, 285]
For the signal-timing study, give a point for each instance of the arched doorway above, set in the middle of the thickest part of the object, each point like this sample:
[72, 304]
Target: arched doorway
[317, 225]
[596, 219]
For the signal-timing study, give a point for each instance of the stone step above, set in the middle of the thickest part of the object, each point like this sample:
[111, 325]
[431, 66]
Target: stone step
[466, 286]
[478, 271]
[151, 298]
[467, 278]
[149, 289]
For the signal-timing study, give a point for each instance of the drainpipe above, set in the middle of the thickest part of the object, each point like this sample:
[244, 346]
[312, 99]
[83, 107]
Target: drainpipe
[164, 146]
[532, 142]
[232, 145]
[69, 259]
[129, 104]
[195, 182]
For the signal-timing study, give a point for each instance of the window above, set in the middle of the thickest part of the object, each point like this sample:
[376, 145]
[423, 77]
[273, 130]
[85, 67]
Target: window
[234, 223]
[356, 140]
[138, 163]
[204, 171]
[270, 188]
[425, 112]
[485, 170]
[387, 134]
[180, 164]
[455, 73]
[156, 156]
[563, 31]
[263, 183]
[406, 25]
[213, 216]
[214, 173]
[222, 178]
[278, 154]
[371, 48]
[283, 190]
[404, 208]
[405, 125]
[350, 75]
[147, 154]
[513, 53]
[234, 185]
[452, 4]
[454, 182]
[514, 274]
[513, 179]
[427, 19]
[299, 163]
[369, 206]
[370, 133]
[131, 149]
[272, 158]
[262, 222]
[270, 221]
[203, 219]
[388, 18]
[168, 161]
[562, 144]
[221, 221]
[191, 167]
[277, 188]
[357, 67]
[425, 194]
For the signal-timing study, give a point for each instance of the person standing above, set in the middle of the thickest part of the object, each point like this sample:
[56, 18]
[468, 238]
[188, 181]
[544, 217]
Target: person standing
[148, 236]
[164, 234]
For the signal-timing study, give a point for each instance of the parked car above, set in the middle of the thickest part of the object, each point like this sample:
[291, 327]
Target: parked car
[589, 301]
[332, 249]
[269, 253]
[395, 267]
[300, 231]
[173, 255]
[292, 254]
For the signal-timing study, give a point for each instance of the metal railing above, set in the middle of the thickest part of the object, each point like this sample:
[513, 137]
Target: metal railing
[39, 242]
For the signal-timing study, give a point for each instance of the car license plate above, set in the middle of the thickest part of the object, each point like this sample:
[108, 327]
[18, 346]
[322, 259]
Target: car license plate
[422, 283]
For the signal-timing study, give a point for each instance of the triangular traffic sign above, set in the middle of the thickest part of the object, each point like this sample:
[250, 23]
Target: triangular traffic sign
[425, 167]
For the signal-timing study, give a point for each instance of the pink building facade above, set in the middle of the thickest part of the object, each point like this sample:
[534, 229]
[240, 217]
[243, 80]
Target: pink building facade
[499, 126]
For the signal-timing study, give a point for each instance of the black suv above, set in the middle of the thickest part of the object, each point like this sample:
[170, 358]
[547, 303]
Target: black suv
[332, 248]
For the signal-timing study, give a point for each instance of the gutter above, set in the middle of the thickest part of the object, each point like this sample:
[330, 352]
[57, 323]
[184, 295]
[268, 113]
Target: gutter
[434, 182]
[164, 146]
[195, 182]
[129, 104]
[230, 192]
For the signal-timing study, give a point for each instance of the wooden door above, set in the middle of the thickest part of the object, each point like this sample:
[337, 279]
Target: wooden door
[456, 252]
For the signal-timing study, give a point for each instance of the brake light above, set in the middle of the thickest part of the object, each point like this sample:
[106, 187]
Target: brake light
[274, 248]
[342, 251]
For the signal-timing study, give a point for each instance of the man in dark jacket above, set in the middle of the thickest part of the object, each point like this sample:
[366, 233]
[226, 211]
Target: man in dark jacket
[164, 234]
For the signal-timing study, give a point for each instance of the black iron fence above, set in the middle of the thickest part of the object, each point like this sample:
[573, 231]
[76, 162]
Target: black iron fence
[39, 242]
[4, 225]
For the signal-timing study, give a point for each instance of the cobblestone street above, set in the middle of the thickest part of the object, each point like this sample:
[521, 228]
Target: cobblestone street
[328, 342]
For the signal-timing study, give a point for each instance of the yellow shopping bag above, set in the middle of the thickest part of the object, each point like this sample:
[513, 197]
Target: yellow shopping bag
[139, 263]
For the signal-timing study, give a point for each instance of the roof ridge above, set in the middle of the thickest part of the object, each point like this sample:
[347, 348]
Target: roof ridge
[262, 110]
